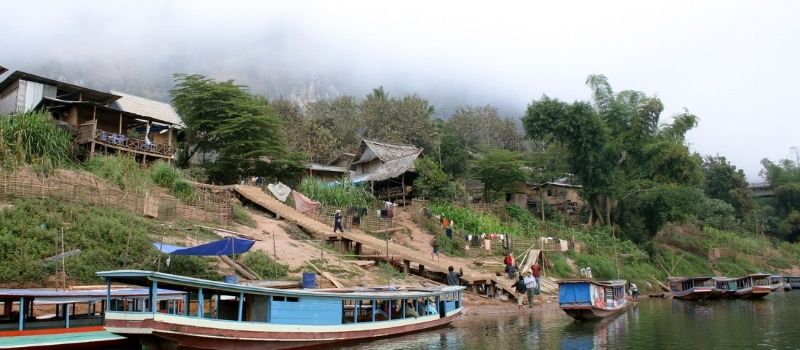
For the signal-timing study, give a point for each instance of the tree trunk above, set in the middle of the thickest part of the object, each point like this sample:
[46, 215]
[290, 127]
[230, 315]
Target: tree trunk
[600, 216]
[541, 202]
[608, 211]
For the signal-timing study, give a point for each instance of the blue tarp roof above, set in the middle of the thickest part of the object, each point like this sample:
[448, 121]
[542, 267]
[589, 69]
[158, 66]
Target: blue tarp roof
[574, 293]
[166, 248]
[225, 246]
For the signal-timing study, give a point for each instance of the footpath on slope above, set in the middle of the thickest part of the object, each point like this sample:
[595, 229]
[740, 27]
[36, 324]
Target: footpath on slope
[320, 230]
[419, 254]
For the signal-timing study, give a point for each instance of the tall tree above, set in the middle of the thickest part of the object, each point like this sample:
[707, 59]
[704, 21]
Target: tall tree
[500, 170]
[480, 128]
[725, 182]
[223, 117]
[433, 182]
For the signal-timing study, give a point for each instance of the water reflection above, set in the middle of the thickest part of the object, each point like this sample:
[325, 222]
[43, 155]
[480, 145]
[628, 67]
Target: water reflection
[650, 324]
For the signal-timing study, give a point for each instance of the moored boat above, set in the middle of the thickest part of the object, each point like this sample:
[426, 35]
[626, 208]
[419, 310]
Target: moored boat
[220, 315]
[585, 299]
[753, 286]
[76, 321]
[775, 283]
[724, 287]
[792, 281]
[691, 288]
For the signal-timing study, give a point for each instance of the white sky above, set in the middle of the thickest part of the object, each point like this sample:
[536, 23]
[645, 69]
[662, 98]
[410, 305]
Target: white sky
[732, 63]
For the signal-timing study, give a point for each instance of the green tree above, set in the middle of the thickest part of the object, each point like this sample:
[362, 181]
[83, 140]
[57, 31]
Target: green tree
[242, 129]
[725, 182]
[500, 170]
[432, 181]
[480, 128]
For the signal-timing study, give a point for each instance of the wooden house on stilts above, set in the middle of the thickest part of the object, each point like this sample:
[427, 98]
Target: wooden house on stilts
[387, 168]
[107, 122]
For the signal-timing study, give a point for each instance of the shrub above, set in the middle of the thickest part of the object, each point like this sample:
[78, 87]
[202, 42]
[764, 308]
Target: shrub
[264, 265]
[164, 174]
[184, 190]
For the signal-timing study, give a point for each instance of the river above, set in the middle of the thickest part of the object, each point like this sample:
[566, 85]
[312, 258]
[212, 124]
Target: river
[652, 323]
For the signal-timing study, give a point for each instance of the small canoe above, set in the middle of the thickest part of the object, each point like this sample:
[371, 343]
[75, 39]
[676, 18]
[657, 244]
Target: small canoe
[691, 288]
[585, 299]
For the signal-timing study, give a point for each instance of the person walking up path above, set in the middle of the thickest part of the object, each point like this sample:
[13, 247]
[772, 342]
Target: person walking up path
[337, 221]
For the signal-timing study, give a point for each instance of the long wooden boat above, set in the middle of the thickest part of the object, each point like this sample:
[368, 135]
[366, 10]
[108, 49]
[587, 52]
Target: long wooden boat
[792, 281]
[775, 283]
[220, 315]
[691, 288]
[76, 321]
[753, 286]
[724, 287]
[585, 299]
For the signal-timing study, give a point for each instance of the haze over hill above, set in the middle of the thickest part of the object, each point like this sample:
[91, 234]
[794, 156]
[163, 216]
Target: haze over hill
[733, 65]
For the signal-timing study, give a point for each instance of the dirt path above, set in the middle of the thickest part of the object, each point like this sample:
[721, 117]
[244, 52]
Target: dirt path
[414, 253]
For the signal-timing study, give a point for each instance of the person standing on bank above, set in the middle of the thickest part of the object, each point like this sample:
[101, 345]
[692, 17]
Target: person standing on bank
[337, 221]
[520, 288]
[536, 271]
[530, 288]
[435, 252]
[453, 277]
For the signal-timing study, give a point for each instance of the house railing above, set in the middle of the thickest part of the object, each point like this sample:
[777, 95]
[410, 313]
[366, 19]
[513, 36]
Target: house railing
[87, 133]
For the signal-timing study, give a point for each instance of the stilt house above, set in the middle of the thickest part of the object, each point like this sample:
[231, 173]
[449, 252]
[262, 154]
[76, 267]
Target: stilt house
[108, 122]
[388, 168]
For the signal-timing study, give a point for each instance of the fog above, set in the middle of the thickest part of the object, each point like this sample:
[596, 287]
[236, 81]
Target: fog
[732, 63]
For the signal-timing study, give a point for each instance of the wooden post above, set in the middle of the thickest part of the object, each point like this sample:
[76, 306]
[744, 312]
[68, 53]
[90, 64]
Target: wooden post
[406, 266]
[94, 132]
[120, 124]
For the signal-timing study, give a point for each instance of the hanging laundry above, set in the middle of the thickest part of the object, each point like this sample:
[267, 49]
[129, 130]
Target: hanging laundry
[280, 191]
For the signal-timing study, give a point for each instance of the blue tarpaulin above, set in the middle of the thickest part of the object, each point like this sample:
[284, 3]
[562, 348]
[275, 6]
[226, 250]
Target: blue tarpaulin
[574, 293]
[166, 248]
[225, 246]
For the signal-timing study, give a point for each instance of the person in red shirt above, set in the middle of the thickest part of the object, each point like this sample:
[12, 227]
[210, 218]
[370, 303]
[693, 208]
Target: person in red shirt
[536, 271]
[509, 261]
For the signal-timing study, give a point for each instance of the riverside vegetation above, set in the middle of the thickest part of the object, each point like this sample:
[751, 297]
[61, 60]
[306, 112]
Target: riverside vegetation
[654, 208]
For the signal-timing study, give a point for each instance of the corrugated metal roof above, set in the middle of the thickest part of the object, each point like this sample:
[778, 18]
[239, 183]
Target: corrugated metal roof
[147, 107]
[3, 69]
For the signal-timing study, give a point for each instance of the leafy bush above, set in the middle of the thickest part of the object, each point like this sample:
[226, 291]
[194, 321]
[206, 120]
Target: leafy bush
[264, 265]
[182, 189]
[164, 174]
[32, 138]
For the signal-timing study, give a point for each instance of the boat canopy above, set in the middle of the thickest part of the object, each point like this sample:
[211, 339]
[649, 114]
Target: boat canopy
[70, 296]
[182, 283]
[574, 293]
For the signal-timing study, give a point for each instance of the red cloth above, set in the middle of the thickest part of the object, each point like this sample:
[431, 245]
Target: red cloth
[303, 203]
[509, 260]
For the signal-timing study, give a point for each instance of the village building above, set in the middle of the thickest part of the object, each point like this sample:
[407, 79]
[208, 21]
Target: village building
[560, 195]
[106, 122]
[387, 168]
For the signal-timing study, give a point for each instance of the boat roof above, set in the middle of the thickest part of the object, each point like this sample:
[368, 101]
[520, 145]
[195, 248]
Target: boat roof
[52, 295]
[610, 283]
[182, 283]
[758, 275]
[681, 279]
[724, 279]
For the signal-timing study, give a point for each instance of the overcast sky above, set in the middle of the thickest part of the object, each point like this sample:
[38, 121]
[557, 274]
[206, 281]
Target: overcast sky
[735, 64]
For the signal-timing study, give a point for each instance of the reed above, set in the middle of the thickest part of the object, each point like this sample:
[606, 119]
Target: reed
[33, 139]
[343, 194]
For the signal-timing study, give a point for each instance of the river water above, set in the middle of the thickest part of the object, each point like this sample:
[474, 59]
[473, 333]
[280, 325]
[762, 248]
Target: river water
[652, 323]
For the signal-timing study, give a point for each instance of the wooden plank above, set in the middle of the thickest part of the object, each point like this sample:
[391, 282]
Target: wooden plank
[326, 275]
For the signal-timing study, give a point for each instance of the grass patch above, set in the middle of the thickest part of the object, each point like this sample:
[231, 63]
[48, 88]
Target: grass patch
[121, 170]
[107, 237]
[560, 266]
[241, 216]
